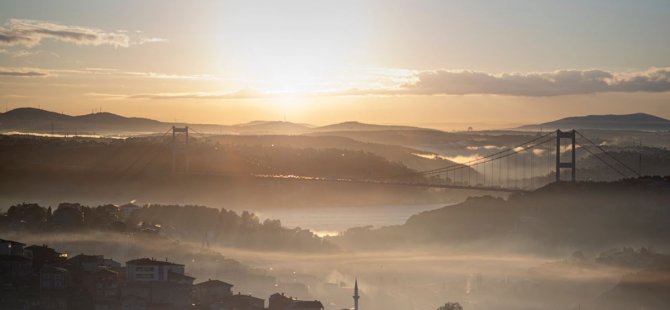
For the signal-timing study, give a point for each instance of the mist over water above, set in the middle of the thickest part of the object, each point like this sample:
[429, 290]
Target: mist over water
[333, 220]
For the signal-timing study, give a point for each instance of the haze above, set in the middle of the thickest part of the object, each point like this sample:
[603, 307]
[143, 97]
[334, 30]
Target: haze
[335, 155]
[429, 63]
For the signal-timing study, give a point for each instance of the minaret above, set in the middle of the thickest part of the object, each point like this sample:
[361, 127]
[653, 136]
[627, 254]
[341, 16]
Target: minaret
[356, 297]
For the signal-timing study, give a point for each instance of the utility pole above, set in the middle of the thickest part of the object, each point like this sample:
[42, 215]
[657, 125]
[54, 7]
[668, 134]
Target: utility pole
[567, 165]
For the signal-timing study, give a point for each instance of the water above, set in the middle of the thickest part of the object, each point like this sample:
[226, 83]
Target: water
[333, 220]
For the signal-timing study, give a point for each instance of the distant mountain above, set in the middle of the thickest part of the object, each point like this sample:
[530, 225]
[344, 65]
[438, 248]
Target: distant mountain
[32, 114]
[271, 127]
[637, 121]
[37, 120]
[356, 126]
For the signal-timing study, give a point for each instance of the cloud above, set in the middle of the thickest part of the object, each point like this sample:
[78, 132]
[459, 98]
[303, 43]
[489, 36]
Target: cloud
[557, 83]
[23, 72]
[30, 33]
[18, 53]
[242, 94]
[150, 40]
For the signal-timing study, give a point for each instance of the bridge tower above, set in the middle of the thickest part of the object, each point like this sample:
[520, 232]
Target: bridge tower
[565, 165]
[180, 149]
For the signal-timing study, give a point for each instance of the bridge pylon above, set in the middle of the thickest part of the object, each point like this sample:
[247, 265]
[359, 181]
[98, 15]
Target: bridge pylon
[565, 165]
[180, 149]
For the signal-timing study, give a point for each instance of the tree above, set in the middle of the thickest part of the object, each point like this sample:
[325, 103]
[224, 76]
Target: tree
[69, 216]
[31, 213]
[451, 306]
[50, 215]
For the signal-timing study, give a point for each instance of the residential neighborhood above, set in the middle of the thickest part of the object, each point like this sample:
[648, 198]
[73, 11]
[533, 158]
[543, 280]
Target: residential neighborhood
[39, 277]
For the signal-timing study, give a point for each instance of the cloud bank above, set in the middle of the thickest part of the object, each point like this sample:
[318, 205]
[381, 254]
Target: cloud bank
[23, 72]
[242, 94]
[557, 83]
[30, 33]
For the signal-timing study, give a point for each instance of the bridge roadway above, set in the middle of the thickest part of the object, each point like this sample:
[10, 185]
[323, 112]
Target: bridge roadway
[363, 181]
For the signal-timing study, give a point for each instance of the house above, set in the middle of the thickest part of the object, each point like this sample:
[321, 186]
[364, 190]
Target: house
[54, 278]
[133, 302]
[15, 270]
[42, 255]
[91, 263]
[279, 301]
[104, 288]
[9, 247]
[148, 269]
[161, 284]
[306, 305]
[282, 302]
[180, 278]
[162, 294]
[244, 302]
[87, 263]
[55, 284]
[211, 291]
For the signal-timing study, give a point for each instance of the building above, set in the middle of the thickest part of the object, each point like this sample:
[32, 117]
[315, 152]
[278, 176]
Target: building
[9, 247]
[104, 288]
[132, 302]
[92, 263]
[15, 270]
[87, 263]
[306, 305]
[282, 302]
[160, 284]
[42, 255]
[244, 302]
[55, 284]
[211, 291]
[279, 301]
[149, 269]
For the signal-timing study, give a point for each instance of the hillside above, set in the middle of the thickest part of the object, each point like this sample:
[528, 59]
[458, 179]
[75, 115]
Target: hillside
[37, 120]
[583, 215]
[637, 121]
[357, 126]
[392, 153]
[270, 127]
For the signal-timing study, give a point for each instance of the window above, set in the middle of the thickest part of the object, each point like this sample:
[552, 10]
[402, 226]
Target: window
[144, 276]
[144, 268]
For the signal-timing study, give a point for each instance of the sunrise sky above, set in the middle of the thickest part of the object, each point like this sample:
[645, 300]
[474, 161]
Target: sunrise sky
[445, 64]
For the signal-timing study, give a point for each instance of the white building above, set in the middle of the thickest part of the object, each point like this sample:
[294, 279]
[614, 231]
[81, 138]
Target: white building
[149, 269]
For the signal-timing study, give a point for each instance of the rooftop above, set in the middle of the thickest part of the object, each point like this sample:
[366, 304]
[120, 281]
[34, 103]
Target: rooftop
[214, 283]
[11, 242]
[150, 261]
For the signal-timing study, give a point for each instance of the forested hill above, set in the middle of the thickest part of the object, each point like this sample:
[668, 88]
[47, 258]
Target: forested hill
[215, 226]
[583, 214]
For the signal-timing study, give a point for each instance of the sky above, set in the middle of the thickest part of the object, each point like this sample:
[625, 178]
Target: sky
[443, 64]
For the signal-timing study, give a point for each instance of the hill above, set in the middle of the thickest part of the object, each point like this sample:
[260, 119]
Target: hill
[586, 215]
[392, 153]
[37, 120]
[270, 127]
[637, 121]
[357, 126]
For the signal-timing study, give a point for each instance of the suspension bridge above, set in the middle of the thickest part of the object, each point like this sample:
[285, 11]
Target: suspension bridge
[543, 159]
